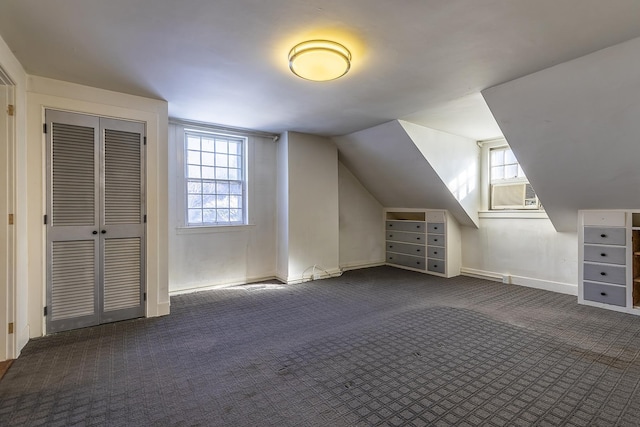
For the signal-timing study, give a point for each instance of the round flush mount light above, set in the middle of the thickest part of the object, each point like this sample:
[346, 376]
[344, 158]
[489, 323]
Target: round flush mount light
[319, 60]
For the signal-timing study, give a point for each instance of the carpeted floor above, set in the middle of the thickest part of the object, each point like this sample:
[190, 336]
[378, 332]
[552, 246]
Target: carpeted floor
[379, 346]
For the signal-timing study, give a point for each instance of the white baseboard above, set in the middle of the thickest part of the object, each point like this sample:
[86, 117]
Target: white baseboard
[359, 265]
[212, 286]
[530, 282]
[317, 274]
[164, 308]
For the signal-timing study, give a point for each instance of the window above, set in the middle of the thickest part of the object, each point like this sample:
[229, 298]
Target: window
[509, 187]
[215, 179]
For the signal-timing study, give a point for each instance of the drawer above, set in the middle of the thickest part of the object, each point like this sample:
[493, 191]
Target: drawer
[605, 273]
[435, 227]
[604, 218]
[435, 240]
[435, 216]
[406, 260]
[401, 236]
[614, 295]
[607, 254]
[406, 248]
[435, 265]
[605, 235]
[415, 226]
[435, 252]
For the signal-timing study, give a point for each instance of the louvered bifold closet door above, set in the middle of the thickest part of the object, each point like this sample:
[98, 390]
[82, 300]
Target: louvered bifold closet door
[72, 213]
[122, 228]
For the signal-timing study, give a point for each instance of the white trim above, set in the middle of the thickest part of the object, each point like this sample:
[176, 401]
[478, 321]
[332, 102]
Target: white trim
[214, 286]
[207, 229]
[227, 130]
[328, 274]
[515, 214]
[529, 282]
[360, 265]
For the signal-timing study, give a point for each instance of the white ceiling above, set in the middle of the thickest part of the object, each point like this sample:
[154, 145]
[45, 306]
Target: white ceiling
[225, 61]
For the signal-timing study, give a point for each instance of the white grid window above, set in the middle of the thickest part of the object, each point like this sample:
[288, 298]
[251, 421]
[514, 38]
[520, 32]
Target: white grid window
[505, 166]
[215, 183]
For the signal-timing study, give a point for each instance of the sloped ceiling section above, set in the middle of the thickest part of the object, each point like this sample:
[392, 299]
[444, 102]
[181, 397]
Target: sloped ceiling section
[397, 172]
[575, 129]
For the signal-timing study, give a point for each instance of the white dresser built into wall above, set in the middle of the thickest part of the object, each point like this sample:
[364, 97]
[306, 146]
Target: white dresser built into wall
[423, 240]
[609, 274]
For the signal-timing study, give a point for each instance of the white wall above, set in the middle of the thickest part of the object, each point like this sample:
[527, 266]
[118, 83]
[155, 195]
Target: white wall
[361, 223]
[574, 128]
[45, 93]
[313, 225]
[212, 256]
[282, 200]
[528, 250]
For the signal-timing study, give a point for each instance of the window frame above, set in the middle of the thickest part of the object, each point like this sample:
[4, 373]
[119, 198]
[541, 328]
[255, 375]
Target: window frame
[486, 211]
[244, 179]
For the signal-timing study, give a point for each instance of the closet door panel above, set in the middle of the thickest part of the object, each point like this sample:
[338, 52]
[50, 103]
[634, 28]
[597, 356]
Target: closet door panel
[72, 237]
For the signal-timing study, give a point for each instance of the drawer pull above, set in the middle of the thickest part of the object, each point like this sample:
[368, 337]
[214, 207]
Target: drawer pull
[603, 235]
[417, 238]
[435, 265]
[390, 257]
[435, 240]
[418, 226]
[435, 228]
[435, 252]
[604, 294]
[603, 254]
[390, 246]
[417, 250]
[602, 273]
[390, 235]
[418, 262]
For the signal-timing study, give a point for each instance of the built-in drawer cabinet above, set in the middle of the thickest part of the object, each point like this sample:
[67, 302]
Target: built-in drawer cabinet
[418, 239]
[610, 260]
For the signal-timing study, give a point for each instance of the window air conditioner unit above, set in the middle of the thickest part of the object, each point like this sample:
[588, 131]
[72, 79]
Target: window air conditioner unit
[518, 195]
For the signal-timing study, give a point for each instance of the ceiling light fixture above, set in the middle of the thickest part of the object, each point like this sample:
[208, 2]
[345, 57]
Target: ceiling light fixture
[319, 60]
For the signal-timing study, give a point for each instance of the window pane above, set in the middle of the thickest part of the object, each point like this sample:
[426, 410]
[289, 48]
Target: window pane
[194, 201]
[208, 159]
[209, 201]
[497, 157]
[235, 147]
[209, 216]
[208, 173]
[208, 188]
[235, 201]
[222, 187]
[193, 157]
[222, 146]
[222, 201]
[222, 173]
[497, 172]
[208, 145]
[520, 172]
[223, 215]
[234, 174]
[195, 216]
[511, 171]
[222, 160]
[235, 188]
[193, 171]
[235, 215]
[193, 143]
[234, 161]
[194, 187]
[509, 158]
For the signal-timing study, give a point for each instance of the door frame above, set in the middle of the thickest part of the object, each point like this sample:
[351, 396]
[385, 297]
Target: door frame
[102, 124]
[7, 229]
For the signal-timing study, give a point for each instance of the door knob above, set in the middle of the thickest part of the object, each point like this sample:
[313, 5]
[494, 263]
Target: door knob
[104, 231]
[94, 232]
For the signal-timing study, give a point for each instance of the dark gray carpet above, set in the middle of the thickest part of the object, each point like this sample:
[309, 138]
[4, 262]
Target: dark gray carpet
[380, 346]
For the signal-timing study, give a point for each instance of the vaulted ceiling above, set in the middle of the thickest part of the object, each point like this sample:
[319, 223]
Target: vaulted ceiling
[225, 61]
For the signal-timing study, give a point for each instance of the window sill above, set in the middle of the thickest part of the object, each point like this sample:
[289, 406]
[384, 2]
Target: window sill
[207, 229]
[513, 214]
